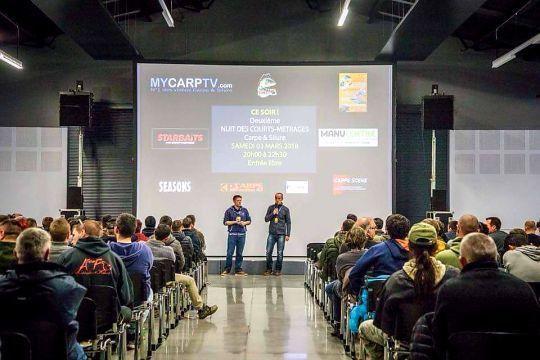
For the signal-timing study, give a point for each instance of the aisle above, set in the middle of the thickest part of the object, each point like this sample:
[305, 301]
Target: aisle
[258, 318]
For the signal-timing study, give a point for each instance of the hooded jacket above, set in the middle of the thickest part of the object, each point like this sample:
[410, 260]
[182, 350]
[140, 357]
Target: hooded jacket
[198, 254]
[383, 259]
[91, 262]
[187, 248]
[451, 256]
[137, 258]
[523, 262]
[399, 288]
[148, 231]
[62, 298]
[177, 248]
[329, 254]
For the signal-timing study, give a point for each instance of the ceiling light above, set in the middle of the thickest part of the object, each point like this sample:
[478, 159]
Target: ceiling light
[166, 13]
[11, 60]
[511, 55]
[344, 12]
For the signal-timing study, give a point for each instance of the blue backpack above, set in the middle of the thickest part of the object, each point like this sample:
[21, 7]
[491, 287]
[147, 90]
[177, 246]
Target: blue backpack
[368, 301]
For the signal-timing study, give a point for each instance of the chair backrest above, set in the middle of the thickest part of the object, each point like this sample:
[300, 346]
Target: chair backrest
[373, 286]
[313, 249]
[87, 318]
[407, 315]
[139, 286]
[167, 267]
[157, 279]
[15, 346]
[48, 340]
[107, 306]
[492, 346]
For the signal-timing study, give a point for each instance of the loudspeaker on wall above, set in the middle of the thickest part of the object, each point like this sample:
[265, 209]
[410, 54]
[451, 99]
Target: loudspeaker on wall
[75, 108]
[438, 112]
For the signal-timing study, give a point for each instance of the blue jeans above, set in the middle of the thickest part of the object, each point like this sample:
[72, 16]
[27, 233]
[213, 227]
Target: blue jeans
[238, 242]
[270, 242]
[333, 291]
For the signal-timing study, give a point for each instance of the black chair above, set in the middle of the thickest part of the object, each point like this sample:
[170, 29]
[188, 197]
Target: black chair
[15, 346]
[492, 346]
[142, 306]
[313, 249]
[87, 318]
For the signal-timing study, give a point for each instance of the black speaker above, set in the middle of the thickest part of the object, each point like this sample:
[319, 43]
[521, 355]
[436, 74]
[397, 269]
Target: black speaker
[74, 198]
[438, 112]
[75, 108]
[438, 201]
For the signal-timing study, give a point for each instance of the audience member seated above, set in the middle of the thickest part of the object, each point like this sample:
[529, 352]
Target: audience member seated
[138, 235]
[174, 243]
[161, 251]
[467, 224]
[149, 226]
[9, 230]
[494, 227]
[352, 217]
[92, 262]
[384, 258]
[32, 223]
[368, 224]
[137, 256]
[452, 230]
[530, 227]
[107, 224]
[521, 259]
[483, 298]
[76, 231]
[200, 235]
[60, 233]
[157, 243]
[34, 275]
[46, 222]
[356, 238]
[330, 252]
[185, 242]
[441, 244]
[188, 230]
[417, 282]
[380, 234]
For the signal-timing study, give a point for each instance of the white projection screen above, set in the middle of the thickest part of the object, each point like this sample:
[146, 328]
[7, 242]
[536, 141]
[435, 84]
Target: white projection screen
[320, 134]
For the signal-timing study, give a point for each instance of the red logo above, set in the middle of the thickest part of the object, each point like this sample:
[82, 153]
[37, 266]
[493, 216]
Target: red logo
[94, 267]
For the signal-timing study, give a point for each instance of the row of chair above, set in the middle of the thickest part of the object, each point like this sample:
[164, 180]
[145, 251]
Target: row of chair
[103, 326]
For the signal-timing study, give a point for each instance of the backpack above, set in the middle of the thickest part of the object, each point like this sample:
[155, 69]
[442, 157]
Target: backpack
[369, 294]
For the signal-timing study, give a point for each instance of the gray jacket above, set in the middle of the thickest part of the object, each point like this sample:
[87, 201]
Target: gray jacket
[523, 262]
[160, 250]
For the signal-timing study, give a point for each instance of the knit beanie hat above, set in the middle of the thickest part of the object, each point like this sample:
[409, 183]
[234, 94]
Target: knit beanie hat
[422, 234]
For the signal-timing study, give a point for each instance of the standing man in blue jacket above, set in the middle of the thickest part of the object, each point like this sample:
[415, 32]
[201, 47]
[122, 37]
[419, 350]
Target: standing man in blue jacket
[236, 219]
[279, 230]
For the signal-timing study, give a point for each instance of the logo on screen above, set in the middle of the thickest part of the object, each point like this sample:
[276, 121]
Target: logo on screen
[348, 137]
[172, 138]
[266, 86]
[189, 85]
[342, 183]
[241, 187]
[181, 186]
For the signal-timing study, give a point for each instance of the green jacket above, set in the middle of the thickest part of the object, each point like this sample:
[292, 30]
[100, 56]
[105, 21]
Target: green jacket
[451, 256]
[329, 254]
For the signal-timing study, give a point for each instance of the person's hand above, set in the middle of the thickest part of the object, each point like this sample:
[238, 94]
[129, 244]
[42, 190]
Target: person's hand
[286, 238]
[275, 211]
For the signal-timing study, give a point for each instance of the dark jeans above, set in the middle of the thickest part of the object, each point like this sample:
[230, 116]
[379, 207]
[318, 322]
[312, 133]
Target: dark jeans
[270, 242]
[238, 242]
[332, 289]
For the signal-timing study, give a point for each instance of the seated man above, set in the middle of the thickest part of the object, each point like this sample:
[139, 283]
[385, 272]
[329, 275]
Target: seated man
[165, 252]
[185, 242]
[200, 235]
[521, 259]
[91, 262]
[60, 232]
[483, 298]
[9, 230]
[174, 243]
[330, 251]
[530, 227]
[467, 224]
[137, 256]
[188, 230]
[384, 258]
[32, 270]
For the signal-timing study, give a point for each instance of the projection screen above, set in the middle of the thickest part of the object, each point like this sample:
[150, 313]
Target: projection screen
[319, 134]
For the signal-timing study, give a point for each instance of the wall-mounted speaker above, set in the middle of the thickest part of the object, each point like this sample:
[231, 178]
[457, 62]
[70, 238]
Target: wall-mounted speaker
[438, 201]
[438, 112]
[75, 108]
[74, 198]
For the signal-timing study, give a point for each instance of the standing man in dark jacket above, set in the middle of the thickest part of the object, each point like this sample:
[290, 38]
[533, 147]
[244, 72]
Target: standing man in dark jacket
[483, 298]
[236, 219]
[91, 262]
[279, 231]
[59, 296]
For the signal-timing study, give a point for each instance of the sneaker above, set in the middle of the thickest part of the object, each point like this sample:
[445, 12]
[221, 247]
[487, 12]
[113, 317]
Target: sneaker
[225, 273]
[277, 273]
[267, 273]
[241, 273]
[207, 311]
